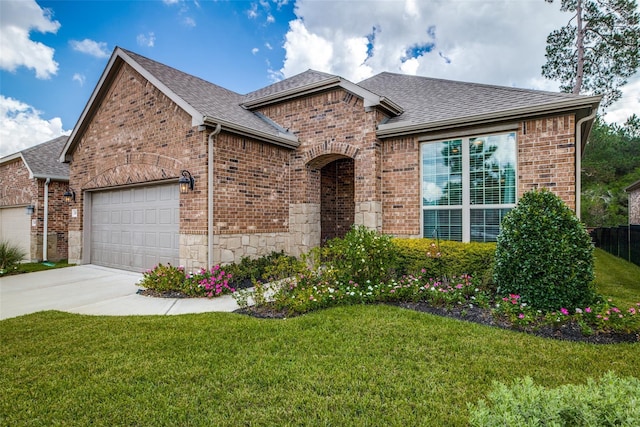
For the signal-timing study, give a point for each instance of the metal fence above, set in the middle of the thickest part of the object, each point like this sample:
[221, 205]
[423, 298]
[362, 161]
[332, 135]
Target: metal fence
[622, 241]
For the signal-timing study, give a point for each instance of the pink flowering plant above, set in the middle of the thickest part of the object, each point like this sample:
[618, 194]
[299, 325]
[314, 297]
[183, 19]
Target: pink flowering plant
[210, 283]
[204, 283]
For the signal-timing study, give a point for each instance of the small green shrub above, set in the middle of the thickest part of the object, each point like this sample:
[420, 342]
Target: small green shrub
[274, 266]
[163, 278]
[10, 256]
[611, 401]
[446, 258]
[362, 256]
[544, 254]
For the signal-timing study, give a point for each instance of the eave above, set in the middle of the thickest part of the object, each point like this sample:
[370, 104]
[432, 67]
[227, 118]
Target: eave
[370, 99]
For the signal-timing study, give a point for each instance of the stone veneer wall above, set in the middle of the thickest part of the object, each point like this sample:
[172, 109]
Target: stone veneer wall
[634, 206]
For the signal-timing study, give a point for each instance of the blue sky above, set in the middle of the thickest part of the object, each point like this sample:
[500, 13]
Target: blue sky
[52, 53]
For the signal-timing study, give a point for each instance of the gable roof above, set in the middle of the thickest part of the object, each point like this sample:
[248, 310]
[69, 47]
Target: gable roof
[207, 103]
[42, 160]
[431, 103]
[312, 81]
[633, 187]
[413, 104]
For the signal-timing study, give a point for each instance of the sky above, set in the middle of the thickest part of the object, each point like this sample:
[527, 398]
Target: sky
[52, 53]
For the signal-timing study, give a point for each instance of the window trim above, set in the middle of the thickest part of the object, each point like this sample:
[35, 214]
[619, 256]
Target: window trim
[466, 205]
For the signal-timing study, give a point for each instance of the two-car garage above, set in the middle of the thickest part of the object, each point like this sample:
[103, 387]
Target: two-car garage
[135, 228]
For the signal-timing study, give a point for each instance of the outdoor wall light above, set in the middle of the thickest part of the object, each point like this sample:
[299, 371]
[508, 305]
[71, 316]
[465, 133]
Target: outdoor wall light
[69, 196]
[186, 182]
[30, 210]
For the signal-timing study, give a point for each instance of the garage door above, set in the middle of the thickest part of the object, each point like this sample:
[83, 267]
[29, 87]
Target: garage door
[15, 228]
[135, 228]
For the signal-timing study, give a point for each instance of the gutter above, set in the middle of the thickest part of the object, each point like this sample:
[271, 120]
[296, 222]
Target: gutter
[211, 140]
[407, 128]
[45, 232]
[579, 157]
[282, 139]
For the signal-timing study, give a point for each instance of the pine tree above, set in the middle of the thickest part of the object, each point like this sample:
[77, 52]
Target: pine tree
[597, 50]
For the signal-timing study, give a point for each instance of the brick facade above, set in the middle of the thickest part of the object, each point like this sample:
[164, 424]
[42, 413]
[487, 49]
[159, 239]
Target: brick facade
[267, 197]
[18, 189]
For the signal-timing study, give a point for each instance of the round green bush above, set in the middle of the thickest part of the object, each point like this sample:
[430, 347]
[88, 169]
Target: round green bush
[544, 254]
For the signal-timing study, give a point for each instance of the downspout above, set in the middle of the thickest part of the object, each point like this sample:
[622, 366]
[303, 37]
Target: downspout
[212, 136]
[579, 158]
[45, 236]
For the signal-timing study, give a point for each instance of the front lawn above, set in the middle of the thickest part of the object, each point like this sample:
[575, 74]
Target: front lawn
[30, 267]
[355, 365]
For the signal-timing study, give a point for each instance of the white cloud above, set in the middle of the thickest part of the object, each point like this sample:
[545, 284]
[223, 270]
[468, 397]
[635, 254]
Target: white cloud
[252, 13]
[80, 78]
[255, 50]
[90, 47]
[270, 19]
[460, 40]
[21, 126]
[268, 46]
[19, 18]
[501, 42]
[146, 40]
[189, 22]
[628, 105]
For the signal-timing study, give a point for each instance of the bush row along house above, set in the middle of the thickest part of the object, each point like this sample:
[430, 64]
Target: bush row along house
[300, 161]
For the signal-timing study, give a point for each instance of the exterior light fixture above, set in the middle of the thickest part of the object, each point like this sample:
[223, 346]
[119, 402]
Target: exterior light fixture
[69, 196]
[30, 210]
[186, 182]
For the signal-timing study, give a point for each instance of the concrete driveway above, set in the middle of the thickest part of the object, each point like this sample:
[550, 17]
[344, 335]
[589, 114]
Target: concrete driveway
[90, 289]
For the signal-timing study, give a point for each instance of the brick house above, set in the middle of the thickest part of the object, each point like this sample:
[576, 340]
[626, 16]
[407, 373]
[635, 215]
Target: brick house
[33, 213]
[298, 162]
[633, 191]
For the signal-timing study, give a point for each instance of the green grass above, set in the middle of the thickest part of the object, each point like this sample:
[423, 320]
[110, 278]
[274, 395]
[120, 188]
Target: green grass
[358, 365]
[617, 279]
[30, 267]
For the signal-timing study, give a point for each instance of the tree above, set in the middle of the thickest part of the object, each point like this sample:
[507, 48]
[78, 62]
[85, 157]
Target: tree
[597, 50]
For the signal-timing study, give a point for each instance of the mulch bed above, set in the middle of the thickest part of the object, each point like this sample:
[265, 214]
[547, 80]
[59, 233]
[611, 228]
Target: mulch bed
[568, 331]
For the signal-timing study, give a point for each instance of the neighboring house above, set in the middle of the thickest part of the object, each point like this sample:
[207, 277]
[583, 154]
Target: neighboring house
[298, 162]
[33, 214]
[634, 202]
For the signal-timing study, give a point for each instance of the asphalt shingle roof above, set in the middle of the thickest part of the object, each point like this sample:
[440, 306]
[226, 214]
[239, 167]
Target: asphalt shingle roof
[207, 98]
[427, 100]
[298, 81]
[42, 159]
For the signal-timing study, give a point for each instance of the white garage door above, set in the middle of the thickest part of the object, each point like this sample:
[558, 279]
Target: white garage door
[15, 228]
[135, 228]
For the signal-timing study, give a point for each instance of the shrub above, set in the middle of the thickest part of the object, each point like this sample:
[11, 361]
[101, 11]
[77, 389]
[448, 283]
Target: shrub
[544, 254]
[274, 266]
[210, 283]
[163, 278]
[447, 258]
[10, 255]
[362, 255]
[611, 401]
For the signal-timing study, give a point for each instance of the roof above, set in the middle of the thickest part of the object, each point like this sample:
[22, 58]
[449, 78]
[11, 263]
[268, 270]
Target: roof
[412, 104]
[633, 187]
[431, 103]
[42, 160]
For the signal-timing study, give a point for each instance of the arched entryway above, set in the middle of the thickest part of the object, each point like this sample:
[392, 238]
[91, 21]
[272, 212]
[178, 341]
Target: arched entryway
[337, 206]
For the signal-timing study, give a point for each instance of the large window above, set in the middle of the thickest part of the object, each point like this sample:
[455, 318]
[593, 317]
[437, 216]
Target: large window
[468, 185]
